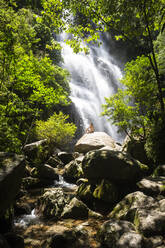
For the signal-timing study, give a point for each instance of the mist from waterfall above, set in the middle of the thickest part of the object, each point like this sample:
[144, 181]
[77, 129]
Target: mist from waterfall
[93, 77]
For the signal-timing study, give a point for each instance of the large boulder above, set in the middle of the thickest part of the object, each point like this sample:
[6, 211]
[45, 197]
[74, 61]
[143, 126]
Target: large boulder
[136, 149]
[101, 195]
[12, 169]
[106, 192]
[119, 234]
[150, 223]
[126, 208]
[71, 238]
[152, 185]
[154, 242]
[73, 171]
[52, 202]
[46, 171]
[143, 211]
[85, 190]
[65, 157]
[114, 166]
[93, 141]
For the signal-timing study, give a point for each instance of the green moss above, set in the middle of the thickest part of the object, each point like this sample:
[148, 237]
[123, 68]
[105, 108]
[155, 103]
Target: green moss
[106, 191]
[85, 191]
[121, 209]
[136, 221]
[162, 187]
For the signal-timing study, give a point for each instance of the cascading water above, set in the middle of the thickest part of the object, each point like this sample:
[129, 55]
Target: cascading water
[93, 77]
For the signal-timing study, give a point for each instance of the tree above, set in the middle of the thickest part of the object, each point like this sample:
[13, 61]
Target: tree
[132, 107]
[31, 84]
[137, 21]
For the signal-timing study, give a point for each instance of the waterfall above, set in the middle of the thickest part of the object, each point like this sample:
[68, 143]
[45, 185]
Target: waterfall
[93, 77]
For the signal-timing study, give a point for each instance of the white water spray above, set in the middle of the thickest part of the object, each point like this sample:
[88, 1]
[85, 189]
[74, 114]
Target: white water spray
[93, 77]
[27, 219]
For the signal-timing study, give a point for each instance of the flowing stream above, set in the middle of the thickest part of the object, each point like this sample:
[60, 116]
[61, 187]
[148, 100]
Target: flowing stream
[63, 184]
[33, 218]
[27, 219]
[93, 77]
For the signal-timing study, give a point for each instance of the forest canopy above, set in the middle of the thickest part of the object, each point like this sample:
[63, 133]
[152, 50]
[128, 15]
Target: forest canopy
[33, 85]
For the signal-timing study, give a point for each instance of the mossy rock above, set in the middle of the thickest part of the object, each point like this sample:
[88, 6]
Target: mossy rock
[114, 166]
[73, 171]
[106, 192]
[126, 208]
[85, 191]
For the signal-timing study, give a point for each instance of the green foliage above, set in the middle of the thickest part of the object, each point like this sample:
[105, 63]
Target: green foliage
[56, 129]
[155, 143]
[31, 82]
[130, 108]
[126, 19]
[160, 49]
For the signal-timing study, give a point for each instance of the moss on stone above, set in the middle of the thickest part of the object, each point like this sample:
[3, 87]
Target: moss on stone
[106, 191]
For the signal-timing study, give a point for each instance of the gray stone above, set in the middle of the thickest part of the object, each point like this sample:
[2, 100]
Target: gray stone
[71, 238]
[119, 234]
[152, 185]
[76, 209]
[130, 240]
[93, 141]
[150, 222]
[95, 215]
[46, 171]
[12, 169]
[136, 149]
[162, 205]
[154, 242]
[73, 171]
[55, 162]
[144, 211]
[65, 157]
[127, 207]
[32, 150]
[34, 183]
[52, 202]
[114, 166]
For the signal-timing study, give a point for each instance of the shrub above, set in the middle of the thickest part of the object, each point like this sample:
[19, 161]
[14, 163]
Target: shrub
[56, 129]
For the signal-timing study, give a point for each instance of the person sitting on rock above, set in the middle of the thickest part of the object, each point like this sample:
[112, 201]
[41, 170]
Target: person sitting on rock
[90, 129]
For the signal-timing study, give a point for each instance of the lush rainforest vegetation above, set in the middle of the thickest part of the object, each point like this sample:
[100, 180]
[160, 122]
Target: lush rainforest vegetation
[34, 87]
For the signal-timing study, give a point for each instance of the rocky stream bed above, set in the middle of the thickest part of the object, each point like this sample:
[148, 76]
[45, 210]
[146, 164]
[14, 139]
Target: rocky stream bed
[103, 195]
